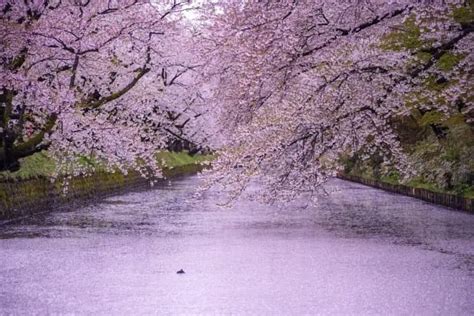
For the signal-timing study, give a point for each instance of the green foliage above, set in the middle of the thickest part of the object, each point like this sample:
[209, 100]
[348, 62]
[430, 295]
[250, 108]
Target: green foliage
[456, 121]
[37, 165]
[431, 117]
[440, 146]
[177, 159]
[41, 165]
[88, 162]
[465, 14]
[393, 177]
[432, 83]
[407, 37]
[423, 57]
[420, 183]
[448, 61]
[439, 163]
[468, 192]
[348, 162]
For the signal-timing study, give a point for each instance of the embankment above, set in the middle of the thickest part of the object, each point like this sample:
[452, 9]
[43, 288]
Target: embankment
[19, 198]
[445, 199]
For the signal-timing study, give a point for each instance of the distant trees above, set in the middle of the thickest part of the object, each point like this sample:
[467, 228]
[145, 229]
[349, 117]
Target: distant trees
[303, 83]
[105, 79]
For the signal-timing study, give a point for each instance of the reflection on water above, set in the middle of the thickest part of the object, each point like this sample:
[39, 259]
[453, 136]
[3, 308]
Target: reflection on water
[359, 251]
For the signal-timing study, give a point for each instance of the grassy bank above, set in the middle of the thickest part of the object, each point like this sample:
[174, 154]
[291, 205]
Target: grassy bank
[393, 178]
[455, 201]
[41, 165]
[416, 183]
[171, 160]
[30, 191]
[37, 195]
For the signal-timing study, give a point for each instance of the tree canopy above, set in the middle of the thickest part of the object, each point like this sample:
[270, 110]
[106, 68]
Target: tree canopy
[285, 91]
[108, 79]
[303, 83]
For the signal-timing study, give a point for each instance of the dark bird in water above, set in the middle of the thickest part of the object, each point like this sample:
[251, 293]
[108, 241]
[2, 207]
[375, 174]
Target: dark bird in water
[180, 271]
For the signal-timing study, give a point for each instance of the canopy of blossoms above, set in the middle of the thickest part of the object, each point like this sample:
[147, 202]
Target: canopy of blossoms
[294, 85]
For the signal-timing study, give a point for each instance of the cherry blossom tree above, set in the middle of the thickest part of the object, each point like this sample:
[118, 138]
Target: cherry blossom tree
[294, 84]
[299, 84]
[104, 79]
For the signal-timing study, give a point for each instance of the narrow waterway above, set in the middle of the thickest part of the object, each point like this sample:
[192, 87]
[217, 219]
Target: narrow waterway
[360, 251]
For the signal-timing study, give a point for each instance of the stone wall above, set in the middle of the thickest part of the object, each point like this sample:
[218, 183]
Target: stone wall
[449, 200]
[26, 197]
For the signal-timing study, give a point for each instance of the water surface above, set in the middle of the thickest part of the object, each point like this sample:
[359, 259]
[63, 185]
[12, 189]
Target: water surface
[360, 251]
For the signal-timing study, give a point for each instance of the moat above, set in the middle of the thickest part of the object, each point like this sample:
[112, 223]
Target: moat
[359, 251]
